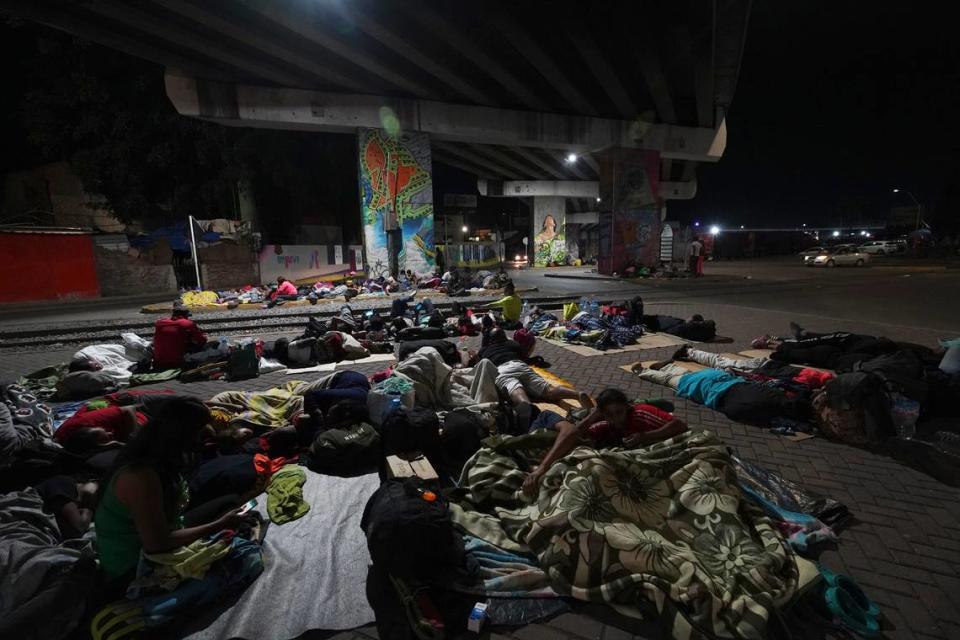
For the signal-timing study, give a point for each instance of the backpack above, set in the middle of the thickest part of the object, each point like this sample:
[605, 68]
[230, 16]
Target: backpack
[463, 433]
[243, 362]
[409, 536]
[406, 430]
[347, 451]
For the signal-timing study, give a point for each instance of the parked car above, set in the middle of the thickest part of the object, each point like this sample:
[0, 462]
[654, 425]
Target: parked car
[812, 251]
[881, 247]
[838, 256]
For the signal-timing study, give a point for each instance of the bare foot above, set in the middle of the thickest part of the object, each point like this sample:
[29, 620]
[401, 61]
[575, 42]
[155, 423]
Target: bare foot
[586, 401]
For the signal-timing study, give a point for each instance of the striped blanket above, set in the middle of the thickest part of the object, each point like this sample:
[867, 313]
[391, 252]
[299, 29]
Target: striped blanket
[664, 525]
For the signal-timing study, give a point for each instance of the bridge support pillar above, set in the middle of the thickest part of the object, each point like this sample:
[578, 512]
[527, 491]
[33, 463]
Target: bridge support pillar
[629, 221]
[396, 201]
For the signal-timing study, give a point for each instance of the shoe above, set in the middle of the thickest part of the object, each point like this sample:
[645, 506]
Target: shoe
[683, 353]
[761, 342]
[796, 330]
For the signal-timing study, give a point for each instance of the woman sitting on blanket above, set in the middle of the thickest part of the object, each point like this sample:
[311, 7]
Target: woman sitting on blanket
[142, 505]
[614, 422]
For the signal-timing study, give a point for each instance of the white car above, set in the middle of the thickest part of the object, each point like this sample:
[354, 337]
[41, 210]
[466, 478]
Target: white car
[812, 251]
[838, 256]
[880, 247]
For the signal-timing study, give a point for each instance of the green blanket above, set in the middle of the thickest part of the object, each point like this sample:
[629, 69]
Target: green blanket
[664, 525]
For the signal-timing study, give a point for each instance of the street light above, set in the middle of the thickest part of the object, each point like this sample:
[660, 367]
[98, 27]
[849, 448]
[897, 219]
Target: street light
[915, 201]
[571, 158]
[836, 234]
[714, 230]
[598, 198]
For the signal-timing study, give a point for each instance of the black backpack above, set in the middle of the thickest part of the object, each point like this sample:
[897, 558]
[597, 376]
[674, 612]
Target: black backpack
[409, 536]
[348, 451]
[407, 430]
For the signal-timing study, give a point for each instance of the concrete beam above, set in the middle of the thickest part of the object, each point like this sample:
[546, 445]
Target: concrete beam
[323, 111]
[402, 46]
[265, 45]
[462, 42]
[678, 190]
[565, 188]
[542, 62]
[533, 158]
[187, 39]
[473, 158]
[604, 74]
[302, 25]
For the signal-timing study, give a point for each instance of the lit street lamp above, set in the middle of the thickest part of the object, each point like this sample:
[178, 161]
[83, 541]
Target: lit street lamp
[571, 158]
[915, 201]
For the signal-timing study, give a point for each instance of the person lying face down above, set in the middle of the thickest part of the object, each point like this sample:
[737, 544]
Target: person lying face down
[614, 422]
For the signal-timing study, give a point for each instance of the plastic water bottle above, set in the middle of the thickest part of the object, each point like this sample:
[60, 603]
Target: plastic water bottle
[394, 404]
[594, 308]
[524, 313]
[464, 353]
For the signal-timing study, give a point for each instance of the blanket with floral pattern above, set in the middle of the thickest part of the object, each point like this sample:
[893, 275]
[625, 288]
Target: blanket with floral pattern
[663, 525]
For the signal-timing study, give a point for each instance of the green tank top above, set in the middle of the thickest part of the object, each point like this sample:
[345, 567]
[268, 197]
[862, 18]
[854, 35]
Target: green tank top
[118, 542]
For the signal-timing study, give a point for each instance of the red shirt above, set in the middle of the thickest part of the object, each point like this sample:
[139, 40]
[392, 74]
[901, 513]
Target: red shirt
[287, 288]
[171, 339]
[643, 419]
[112, 419]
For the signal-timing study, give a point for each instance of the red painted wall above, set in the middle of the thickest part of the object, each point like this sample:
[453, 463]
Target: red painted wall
[39, 266]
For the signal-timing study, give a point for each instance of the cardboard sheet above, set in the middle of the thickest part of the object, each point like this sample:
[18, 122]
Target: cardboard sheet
[646, 341]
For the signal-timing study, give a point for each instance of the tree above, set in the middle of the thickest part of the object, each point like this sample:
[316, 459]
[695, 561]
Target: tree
[107, 112]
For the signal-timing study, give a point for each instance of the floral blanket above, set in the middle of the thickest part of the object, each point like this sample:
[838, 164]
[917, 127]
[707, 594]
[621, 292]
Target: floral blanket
[664, 525]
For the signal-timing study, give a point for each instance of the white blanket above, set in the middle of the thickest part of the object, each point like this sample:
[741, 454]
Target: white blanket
[439, 386]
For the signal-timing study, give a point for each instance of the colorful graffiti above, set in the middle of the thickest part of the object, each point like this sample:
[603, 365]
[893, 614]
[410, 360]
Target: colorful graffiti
[629, 184]
[396, 194]
[549, 223]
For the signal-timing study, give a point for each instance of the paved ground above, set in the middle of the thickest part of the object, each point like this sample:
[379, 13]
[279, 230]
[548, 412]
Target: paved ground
[903, 545]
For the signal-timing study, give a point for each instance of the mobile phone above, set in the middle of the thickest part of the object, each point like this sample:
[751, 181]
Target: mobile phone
[249, 504]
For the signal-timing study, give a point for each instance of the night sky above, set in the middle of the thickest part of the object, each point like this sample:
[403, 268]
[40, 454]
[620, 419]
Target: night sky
[837, 103]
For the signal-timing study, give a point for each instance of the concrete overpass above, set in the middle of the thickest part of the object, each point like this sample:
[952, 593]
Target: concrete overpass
[503, 90]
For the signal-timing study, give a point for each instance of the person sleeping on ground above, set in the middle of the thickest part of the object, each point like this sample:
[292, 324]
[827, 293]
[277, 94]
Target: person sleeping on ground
[839, 351]
[737, 398]
[614, 422]
[72, 503]
[518, 380]
[142, 502]
[694, 328]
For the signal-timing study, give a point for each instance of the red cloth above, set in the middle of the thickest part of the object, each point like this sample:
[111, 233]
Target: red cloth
[643, 419]
[265, 466]
[112, 419]
[812, 378]
[525, 339]
[172, 338]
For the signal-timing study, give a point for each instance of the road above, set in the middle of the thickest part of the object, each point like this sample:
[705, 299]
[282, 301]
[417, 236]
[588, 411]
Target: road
[909, 295]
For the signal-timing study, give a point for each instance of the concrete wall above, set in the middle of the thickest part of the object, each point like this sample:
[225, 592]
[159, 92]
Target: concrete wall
[220, 276]
[128, 273]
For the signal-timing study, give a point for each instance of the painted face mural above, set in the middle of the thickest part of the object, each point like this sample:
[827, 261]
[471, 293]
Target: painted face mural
[396, 192]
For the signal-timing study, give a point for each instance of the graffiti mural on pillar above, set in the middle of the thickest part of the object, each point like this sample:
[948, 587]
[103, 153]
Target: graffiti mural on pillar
[396, 192]
[629, 185]
[549, 222]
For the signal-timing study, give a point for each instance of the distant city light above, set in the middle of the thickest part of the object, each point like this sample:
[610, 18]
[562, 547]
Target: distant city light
[696, 224]
[741, 226]
[571, 158]
[464, 228]
[896, 190]
[836, 234]
[863, 233]
[804, 224]
[598, 198]
[714, 230]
